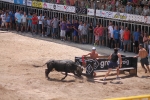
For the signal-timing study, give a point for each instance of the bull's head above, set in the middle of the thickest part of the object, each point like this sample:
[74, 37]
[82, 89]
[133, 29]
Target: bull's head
[79, 70]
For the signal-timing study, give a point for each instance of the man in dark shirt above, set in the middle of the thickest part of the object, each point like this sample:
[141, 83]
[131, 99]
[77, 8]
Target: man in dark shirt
[113, 62]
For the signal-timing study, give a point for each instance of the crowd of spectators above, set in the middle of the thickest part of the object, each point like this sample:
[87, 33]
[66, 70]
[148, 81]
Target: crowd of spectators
[73, 30]
[138, 7]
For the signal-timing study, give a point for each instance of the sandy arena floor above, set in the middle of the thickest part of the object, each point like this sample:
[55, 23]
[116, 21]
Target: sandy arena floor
[19, 80]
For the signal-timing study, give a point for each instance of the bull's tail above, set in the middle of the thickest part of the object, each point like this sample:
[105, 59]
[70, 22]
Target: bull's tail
[39, 66]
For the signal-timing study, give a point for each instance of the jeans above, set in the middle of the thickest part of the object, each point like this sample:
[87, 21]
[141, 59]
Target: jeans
[48, 31]
[121, 45]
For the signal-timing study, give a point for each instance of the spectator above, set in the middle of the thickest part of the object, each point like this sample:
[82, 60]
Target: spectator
[11, 14]
[146, 11]
[55, 23]
[124, 2]
[84, 33]
[29, 19]
[8, 20]
[100, 32]
[63, 30]
[136, 36]
[137, 10]
[121, 37]
[17, 12]
[126, 39]
[24, 22]
[72, 2]
[110, 34]
[116, 36]
[67, 2]
[141, 39]
[18, 19]
[68, 31]
[12, 21]
[34, 24]
[145, 41]
[40, 19]
[90, 33]
[80, 31]
[44, 26]
[122, 9]
[75, 32]
[96, 35]
[3, 17]
[128, 8]
[108, 7]
[135, 2]
[48, 26]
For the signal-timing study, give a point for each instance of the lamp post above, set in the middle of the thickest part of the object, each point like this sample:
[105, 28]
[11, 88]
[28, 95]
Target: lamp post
[95, 13]
[95, 1]
[26, 6]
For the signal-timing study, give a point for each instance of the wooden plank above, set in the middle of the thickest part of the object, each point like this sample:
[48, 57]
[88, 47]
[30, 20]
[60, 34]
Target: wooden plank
[114, 69]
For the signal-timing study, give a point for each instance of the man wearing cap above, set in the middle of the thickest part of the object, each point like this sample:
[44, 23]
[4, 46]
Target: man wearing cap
[113, 62]
[93, 54]
[143, 55]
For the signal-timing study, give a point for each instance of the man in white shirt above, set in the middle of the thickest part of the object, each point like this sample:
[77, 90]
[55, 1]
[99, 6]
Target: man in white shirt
[40, 18]
[3, 17]
[121, 38]
[80, 28]
[17, 12]
[48, 26]
[110, 34]
[24, 22]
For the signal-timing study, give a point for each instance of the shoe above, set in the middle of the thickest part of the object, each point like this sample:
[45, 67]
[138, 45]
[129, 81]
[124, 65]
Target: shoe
[118, 78]
[104, 79]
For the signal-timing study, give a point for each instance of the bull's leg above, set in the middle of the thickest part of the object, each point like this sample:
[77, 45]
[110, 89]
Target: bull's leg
[66, 74]
[47, 71]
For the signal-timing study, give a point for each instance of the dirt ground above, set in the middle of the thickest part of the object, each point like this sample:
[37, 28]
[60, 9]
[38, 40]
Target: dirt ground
[19, 80]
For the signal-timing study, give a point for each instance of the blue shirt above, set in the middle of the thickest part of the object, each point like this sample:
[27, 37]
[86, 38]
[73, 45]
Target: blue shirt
[116, 34]
[8, 19]
[18, 16]
[136, 36]
[30, 20]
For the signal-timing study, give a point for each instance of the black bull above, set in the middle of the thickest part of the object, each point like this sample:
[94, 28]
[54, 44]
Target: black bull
[67, 66]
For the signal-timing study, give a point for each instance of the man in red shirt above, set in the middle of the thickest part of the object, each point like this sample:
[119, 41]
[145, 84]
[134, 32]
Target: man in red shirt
[34, 23]
[100, 32]
[126, 39]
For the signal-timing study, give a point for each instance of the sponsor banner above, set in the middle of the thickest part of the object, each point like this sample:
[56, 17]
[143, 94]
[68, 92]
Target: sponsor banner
[45, 5]
[29, 3]
[80, 10]
[120, 16]
[91, 12]
[148, 20]
[58, 7]
[10, 1]
[20, 2]
[71, 9]
[37, 4]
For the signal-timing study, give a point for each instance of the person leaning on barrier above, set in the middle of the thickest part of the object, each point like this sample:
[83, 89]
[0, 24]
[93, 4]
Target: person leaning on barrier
[113, 62]
[92, 55]
[144, 59]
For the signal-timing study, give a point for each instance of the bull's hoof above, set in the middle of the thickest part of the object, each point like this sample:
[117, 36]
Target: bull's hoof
[48, 78]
